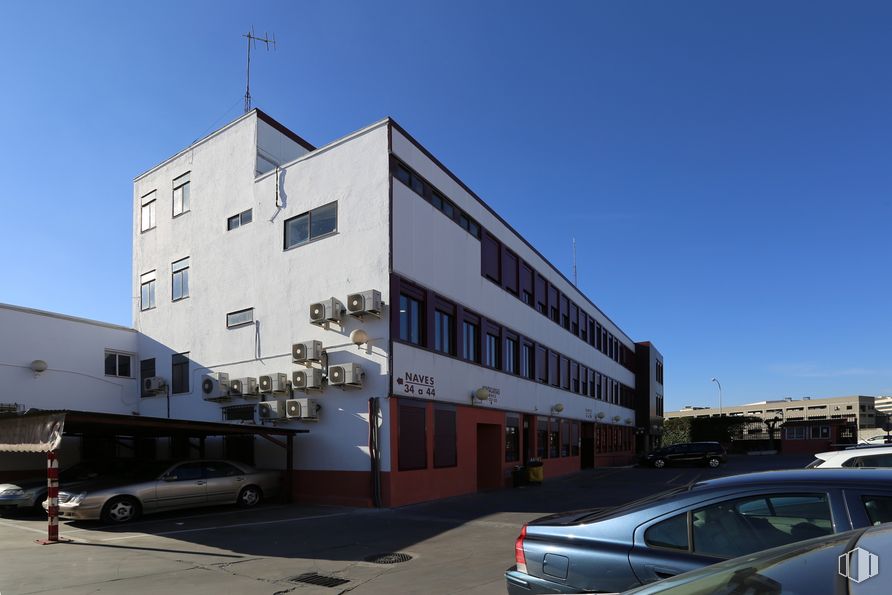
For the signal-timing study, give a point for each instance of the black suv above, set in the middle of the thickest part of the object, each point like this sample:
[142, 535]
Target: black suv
[707, 453]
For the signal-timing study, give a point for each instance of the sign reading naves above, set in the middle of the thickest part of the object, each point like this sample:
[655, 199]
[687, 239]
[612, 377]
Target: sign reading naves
[415, 384]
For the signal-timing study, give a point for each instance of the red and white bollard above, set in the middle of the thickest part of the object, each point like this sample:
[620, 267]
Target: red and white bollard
[52, 499]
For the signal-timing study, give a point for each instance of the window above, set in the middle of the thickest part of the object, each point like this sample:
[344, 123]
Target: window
[117, 364]
[509, 272]
[542, 438]
[240, 318]
[565, 312]
[510, 355]
[221, 469]
[541, 364]
[526, 360]
[745, 525]
[181, 195]
[146, 370]
[583, 380]
[311, 225]
[879, 509]
[553, 378]
[445, 454]
[574, 377]
[565, 372]
[583, 326]
[565, 438]
[470, 336]
[442, 332]
[870, 461]
[236, 221]
[553, 438]
[410, 319]
[574, 439]
[553, 297]
[147, 291]
[412, 450]
[492, 351]
[526, 284]
[179, 281]
[490, 255]
[147, 212]
[574, 319]
[541, 295]
[512, 439]
[179, 373]
[239, 413]
[671, 533]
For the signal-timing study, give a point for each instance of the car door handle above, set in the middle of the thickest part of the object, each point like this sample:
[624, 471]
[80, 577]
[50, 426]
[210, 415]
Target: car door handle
[664, 572]
[200, 482]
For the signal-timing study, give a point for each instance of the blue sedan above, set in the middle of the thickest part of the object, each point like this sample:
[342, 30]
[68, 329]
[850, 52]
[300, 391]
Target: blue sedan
[694, 526]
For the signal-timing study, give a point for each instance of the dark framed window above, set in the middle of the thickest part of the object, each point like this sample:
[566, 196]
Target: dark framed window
[526, 284]
[671, 533]
[574, 439]
[574, 377]
[238, 220]
[240, 318]
[491, 350]
[470, 340]
[541, 364]
[411, 319]
[565, 312]
[565, 438]
[600, 392]
[553, 371]
[592, 333]
[510, 355]
[412, 436]
[565, 372]
[491, 257]
[179, 282]
[553, 439]
[512, 438]
[583, 380]
[118, 364]
[509, 272]
[311, 225]
[542, 438]
[146, 370]
[583, 325]
[574, 319]
[553, 304]
[445, 440]
[541, 295]
[179, 373]
[527, 363]
[443, 325]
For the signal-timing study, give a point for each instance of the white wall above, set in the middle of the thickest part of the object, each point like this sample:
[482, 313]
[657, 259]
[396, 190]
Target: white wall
[74, 350]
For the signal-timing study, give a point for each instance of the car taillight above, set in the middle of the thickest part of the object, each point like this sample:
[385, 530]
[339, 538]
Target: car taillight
[519, 557]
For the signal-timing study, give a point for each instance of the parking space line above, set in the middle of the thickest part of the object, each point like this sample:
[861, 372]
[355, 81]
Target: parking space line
[215, 528]
[23, 528]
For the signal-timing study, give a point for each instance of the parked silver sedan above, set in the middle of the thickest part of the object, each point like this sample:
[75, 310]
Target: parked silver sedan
[162, 486]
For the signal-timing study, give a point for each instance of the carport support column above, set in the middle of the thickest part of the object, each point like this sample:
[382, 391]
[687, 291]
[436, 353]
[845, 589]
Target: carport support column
[289, 464]
[52, 497]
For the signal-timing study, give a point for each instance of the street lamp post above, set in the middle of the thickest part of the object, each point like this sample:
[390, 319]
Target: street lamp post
[721, 413]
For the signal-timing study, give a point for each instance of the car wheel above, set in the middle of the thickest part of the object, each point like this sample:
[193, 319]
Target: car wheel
[250, 496]
[659, 463]
[120, 509]
[37, 507]
[713, 462]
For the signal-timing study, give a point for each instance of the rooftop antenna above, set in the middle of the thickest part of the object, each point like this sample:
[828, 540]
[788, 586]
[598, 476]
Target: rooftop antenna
[252, 39]
[574, 264]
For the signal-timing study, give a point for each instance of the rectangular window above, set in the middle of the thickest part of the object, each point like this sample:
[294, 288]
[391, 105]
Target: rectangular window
[565, 312]
[598, 337]
[600, 395]
[237, 221]
[574, 439]
[443, 332]
[146, 370]
[510, 355]
[117, 364]
[470, 338]
[583, 325]
[311, 225]
[553, 378]
[181, 194]
[411, 312]
[526, 360]
[240, 318]
[574, 319]
[492, 351]
[541, 295]
[512, 438]
[583, 380]
[553, 306]
[147, 212]
[412, 450]
[565, 373]
[565, 438]
[509, 272]
[574, 377]
[553, 439]
[147, 291]
[526, 284]
[541, 364]
[179, 281]
[491, 257]
[179, 372]
[445, 452]
[542, 438]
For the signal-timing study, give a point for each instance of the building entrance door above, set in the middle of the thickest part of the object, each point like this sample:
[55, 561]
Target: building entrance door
[587, 446]
[489, 457]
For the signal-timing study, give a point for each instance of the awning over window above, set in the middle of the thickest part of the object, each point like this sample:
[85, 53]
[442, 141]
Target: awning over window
[31, 433]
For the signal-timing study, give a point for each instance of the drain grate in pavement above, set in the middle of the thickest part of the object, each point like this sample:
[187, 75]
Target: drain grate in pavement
[313, 578]
[389, 558]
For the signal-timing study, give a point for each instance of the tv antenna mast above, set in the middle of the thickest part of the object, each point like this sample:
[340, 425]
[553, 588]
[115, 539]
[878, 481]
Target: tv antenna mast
[575, 280]
[252, 39]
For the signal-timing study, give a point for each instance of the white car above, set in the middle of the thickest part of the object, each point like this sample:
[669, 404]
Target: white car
[879, 439]
[871, 456]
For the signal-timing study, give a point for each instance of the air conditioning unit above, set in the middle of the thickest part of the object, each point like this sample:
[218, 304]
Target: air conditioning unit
[306, 352]
[244, 387]
[154, 385]
[271, 409]
[215, 387]
[345, 375]
[309, 379]
[306, 409]
[274, 383]
[365, 302]
[331, 310]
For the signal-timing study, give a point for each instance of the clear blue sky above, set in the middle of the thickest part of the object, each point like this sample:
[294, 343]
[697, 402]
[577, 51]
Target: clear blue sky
[724, 166]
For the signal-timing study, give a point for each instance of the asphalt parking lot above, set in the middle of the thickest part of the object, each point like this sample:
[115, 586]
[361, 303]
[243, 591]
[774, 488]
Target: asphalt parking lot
[459, 545]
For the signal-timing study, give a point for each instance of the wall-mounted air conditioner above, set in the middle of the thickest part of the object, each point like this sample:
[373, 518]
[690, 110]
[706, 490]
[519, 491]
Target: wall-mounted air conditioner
[309, 379]
[154, 385]
[330, 310]
[365, 303]
[271, 409]
[306, 352]
[215, 387]
[306, 409]
[345, 375]
[244, 387]
[274, 383]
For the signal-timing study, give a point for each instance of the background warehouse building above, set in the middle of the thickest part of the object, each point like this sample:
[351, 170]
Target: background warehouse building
[360, 290]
